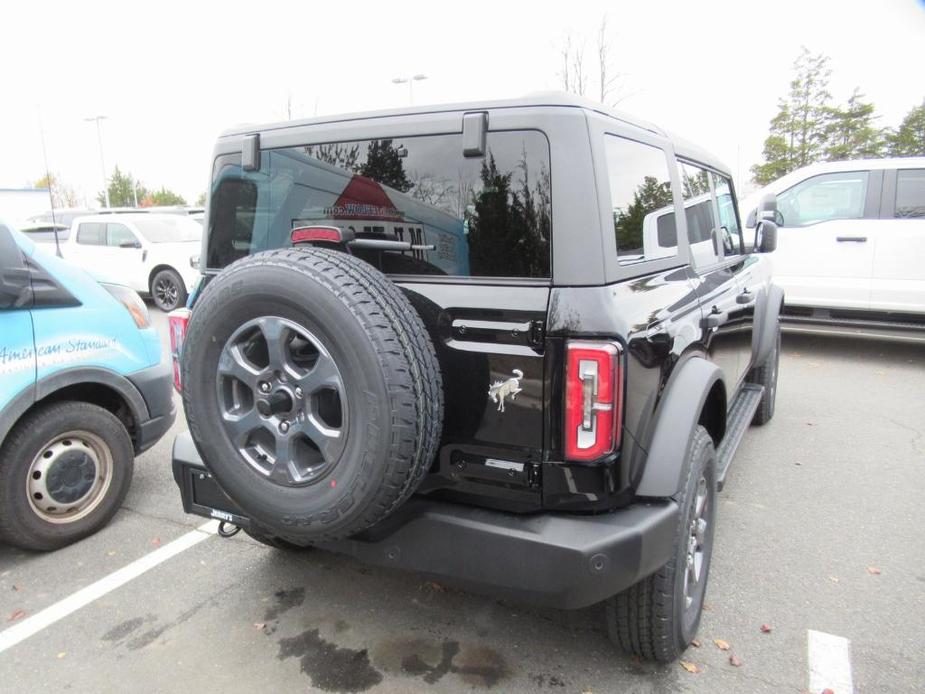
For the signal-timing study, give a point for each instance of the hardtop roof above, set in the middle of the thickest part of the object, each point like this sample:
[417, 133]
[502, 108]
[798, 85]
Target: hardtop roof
[682, 147]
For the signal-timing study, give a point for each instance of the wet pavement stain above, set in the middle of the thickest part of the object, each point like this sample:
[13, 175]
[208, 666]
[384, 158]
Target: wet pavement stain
[330, 667]
[120, 631]
[285, 601]
[476, 665]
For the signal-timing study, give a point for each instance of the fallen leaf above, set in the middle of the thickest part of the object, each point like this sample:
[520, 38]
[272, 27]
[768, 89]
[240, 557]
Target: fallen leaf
[873, 570]
[695, 643]
[431, 585]
[156, 542]
[721, 645]
[111, 553]
[707, 606]
[765, 628]
[15, 587]
[810, 424]
[18, 614]
[834, 579]
[690, 667]
[827, 690]
[735, 661]
[61, 655]
[259, 625]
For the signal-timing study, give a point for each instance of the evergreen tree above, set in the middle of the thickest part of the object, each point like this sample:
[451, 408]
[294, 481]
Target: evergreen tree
[797, 136]
[122, 190]
[384, 165]
[909, 138]
[650, 196]
[162, 197]
[850, 132]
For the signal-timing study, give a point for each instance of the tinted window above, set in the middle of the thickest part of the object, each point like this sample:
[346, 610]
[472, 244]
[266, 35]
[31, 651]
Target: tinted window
[699, 213]
[483, 217]
[910, 193]
[824, 197]
[640, 194]
[92, 233]
[728, 216]
[117, 234]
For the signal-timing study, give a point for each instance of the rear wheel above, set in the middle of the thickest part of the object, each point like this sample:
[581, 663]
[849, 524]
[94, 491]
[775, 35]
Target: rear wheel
[658, 617]
[766, 375]
[64, 471]
[167, 290]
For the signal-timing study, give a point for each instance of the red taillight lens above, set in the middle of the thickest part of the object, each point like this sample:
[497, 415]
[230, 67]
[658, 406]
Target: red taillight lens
[593, 399]
[319, 233]
[178, 320]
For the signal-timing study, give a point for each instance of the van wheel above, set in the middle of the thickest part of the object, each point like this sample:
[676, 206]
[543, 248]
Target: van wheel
[658, 617]
[766, 375]
[167, 290]
[64, 471]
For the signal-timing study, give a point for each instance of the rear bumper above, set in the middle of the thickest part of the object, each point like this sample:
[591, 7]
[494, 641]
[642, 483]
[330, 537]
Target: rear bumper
[560, 560]
[156, 387]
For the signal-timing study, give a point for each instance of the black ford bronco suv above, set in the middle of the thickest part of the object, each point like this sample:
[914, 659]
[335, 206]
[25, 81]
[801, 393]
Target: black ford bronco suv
[512, 345]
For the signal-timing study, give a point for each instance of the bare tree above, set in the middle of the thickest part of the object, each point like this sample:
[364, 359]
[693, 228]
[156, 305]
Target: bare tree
[574, 76]
[608, 80]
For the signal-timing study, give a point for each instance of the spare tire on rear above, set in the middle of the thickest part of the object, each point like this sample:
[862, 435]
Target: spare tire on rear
[312, 391]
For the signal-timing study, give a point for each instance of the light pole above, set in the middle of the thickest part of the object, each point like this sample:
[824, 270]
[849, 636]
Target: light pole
[99, 139]
[410, 80]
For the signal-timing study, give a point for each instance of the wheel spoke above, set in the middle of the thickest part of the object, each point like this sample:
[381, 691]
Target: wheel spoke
[240, 427]
[324, 374]
[277, 335]
[233, 363]
[284, 470]
[327, 439]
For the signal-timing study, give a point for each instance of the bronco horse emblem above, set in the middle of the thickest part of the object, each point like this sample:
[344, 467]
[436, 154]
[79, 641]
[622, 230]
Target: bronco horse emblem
[499, 390]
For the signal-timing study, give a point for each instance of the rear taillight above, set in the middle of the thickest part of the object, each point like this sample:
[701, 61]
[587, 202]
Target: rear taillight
[593, 400]
[178, 320]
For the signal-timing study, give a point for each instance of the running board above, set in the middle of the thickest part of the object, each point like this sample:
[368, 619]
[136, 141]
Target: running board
[737, 423]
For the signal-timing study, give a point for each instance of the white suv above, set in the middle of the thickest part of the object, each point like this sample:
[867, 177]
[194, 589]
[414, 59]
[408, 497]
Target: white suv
[851, 239]
[156, 254]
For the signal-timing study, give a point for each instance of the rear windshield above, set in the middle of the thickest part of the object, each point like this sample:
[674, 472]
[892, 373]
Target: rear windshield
[172, 229]
[487, 216]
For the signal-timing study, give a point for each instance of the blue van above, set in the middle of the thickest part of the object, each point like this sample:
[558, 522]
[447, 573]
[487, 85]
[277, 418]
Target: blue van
[83, 390]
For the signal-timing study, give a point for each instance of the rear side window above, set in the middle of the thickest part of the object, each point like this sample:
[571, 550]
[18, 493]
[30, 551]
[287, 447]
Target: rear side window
[472, 217]
[641, 198]
[91, 233]
[700, 215]
[119, 234]
[910, 193]
[823, 198]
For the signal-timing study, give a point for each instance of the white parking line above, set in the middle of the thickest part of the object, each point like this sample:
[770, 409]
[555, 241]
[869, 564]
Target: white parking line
[829, 663]
[83, 597]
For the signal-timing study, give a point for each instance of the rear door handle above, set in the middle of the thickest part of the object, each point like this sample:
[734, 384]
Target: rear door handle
[854, 239]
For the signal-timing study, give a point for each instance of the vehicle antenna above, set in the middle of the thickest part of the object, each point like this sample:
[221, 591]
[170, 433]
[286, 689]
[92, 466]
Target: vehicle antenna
[51, 195]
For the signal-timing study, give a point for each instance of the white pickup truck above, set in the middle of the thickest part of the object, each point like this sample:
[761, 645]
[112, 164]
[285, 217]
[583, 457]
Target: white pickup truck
[156, 254]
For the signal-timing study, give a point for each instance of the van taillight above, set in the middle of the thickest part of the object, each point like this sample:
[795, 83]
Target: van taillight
[178, 320]
[593, 399]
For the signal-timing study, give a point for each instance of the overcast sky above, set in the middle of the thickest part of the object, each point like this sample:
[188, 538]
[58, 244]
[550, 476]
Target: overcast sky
[171, 75]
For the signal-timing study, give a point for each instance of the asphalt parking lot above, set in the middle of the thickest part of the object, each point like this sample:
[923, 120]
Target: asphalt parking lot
[820, 529]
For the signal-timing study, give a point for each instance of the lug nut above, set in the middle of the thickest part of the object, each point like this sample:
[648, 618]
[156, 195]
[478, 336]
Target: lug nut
[284, 427]
[298, 393]
[264, 387]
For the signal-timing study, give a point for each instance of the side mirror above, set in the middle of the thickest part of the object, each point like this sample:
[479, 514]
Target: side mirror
[766, 241]
[767, 208]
